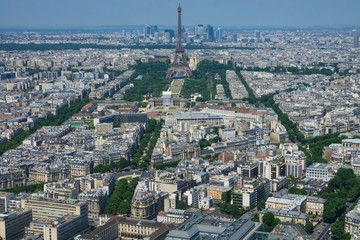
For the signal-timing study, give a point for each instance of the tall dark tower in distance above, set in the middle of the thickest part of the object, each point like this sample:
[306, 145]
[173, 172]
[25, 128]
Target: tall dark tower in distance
[179, 67]
[356, 39]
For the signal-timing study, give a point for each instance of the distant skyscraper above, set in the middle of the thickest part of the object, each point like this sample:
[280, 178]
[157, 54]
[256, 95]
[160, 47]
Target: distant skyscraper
[153, 29]
[234, 38]
[210, 33]
[218, 35]
[199, 30]
[356, 39]
[170, 34]
[156, 37]
[257, 35]
[167, 37]
[147, 31]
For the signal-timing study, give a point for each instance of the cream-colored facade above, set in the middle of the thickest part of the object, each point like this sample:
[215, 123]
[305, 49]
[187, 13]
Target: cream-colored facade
[170, 202]
[65, 228]
[293, 202]
[275, 205]
[96, 200]
[10, 178]
[130, 229]
[356, 168]
[216, 191]
[303, 204]
[352, 221]
[144, 208]
[62, 190]
[57, 219]
[351, 143]
[287, 216]
[44, 209]
[12, 225]
[79, 169]
[49, 175]
[315, 205]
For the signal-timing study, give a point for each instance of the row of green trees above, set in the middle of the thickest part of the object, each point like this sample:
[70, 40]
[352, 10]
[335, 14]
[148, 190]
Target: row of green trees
[162, 166]
[316, 148]
[344, 187]
[153, 82]
[152, 132]
[53, 120]
[290, 126]
[113, 166]
[120, 200]
[338, 229]
[294, 70]
[251, 98]
[156, 134]
[143, 142]
[33, 188]
[316, 144]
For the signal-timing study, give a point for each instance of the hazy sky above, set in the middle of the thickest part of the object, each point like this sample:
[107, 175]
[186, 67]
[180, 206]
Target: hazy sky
[66, 13]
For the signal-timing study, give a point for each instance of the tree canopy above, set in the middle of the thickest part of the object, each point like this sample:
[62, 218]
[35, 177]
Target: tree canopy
[120, 200]
[269, 221]
[344, 187]
[153, 82]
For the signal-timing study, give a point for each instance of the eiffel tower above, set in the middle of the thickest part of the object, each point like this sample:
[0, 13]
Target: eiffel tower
[179, 67]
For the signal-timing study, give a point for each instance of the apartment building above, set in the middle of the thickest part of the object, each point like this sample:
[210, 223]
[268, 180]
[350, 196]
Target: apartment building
[286, 216]
[56, 219]
[315, 205]
[12, 224]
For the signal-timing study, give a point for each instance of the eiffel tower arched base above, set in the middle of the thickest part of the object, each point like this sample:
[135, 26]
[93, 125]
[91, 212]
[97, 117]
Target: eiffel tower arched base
[178, 71]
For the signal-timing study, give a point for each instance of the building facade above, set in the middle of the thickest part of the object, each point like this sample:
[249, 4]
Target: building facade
[12, 225]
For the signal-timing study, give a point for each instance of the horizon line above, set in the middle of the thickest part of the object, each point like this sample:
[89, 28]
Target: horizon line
[137, 26]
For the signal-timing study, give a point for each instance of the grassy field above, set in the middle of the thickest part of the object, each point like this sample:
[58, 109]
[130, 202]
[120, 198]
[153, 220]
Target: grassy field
[175, 90]
[178, 82]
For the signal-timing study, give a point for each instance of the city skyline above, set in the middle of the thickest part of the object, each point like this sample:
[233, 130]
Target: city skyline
[31, 14]
[179, 120]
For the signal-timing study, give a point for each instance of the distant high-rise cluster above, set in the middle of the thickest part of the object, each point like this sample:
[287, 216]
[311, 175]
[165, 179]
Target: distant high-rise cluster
[258, 36]
[150, 30]
[218, 34]
[199, 30]
[207, 34]
[356, 39]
